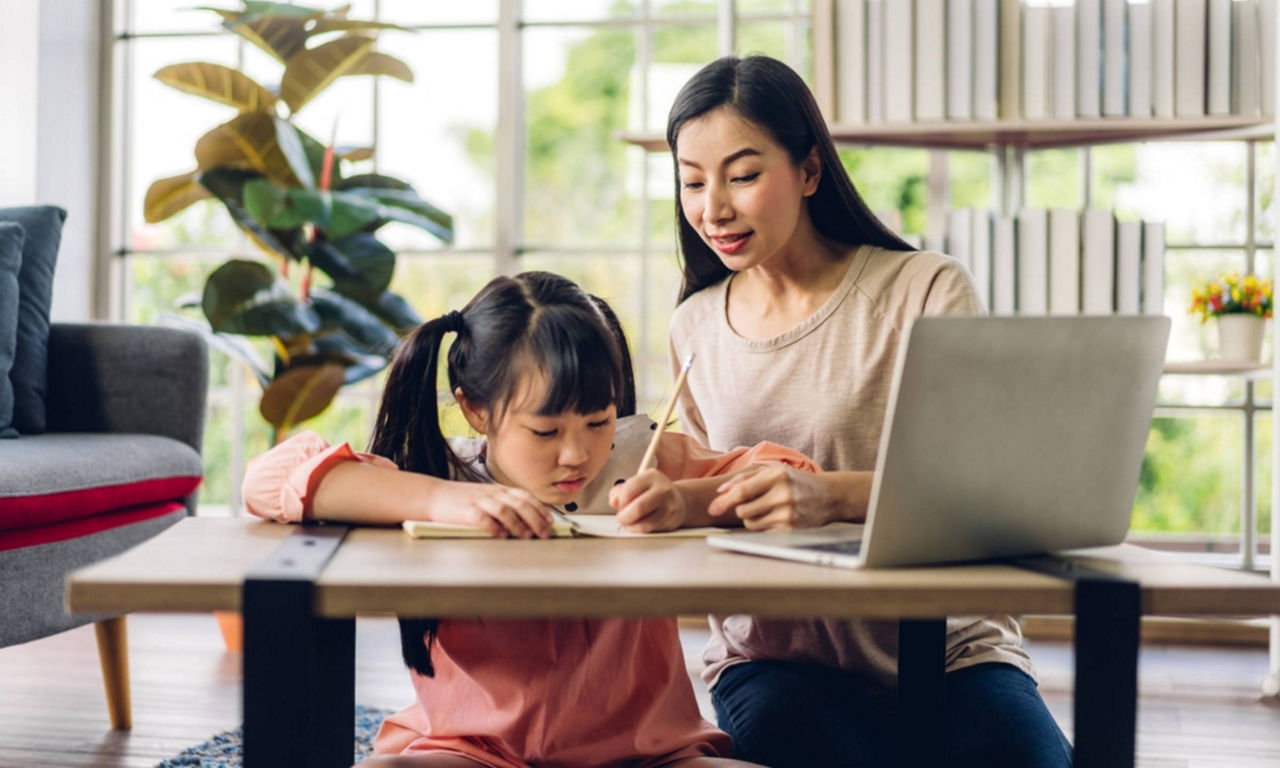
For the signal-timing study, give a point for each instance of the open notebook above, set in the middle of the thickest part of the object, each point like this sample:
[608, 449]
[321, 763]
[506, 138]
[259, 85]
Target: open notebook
[601, 526]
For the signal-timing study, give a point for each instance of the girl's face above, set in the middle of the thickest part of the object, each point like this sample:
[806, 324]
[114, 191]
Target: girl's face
[739, 188]
[552, 457]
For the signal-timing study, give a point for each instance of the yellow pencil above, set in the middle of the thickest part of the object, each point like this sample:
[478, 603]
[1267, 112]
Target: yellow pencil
[666, 414]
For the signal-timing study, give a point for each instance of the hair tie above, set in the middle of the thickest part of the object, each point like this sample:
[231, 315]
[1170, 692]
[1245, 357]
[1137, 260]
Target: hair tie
[453, 321]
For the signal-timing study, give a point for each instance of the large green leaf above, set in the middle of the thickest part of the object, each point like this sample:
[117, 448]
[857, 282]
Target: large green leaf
[359, 365]
[249, 142]
[373, 181]
[166, 197]
[287, 136]
[299, 393]
[352, 213]
[218, 83]
[374, 263]
[245, 297]
[228, 184]
[278, 207]
[234, 347]
[404, 205]
[394, 311]
[310, 71]
[337, 312]
[332, 262]
[375, 63]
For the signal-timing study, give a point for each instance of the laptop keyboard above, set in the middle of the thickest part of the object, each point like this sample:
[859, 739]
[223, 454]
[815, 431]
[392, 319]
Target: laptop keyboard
[844, 546]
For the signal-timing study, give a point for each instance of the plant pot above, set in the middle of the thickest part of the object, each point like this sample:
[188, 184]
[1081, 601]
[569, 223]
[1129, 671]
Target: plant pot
[1240, 337]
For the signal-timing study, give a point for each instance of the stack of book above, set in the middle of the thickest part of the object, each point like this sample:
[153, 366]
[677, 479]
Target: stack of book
[900, 61]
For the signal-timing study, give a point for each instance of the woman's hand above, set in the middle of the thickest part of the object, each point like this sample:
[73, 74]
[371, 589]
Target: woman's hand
[775, 496]
[648, 502]
[501, 510]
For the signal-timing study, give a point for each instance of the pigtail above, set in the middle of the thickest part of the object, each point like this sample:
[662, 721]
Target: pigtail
[407, 431]
[626, 404]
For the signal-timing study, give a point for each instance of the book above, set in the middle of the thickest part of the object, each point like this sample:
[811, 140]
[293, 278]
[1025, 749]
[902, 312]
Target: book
[1064, 261]
[1129, 267]
[1009, 77]
[1097, 262]
[1244, 22]
[1162, 13]
[851, 61]
[1035, 61]
[960, 55]
[1063, 81]
[825, 46]
[1219, 65]
[1189, 58]
[930, 76]
[597, 526]
[980, 253]
[1140, 60]
[1115, 22]
[986, 60]
[960, 237]
[1088, 58]
[899, 60]
[1153, 268]
[1267, 56]
[1003, 260]
[1033, 261]
[875, 61]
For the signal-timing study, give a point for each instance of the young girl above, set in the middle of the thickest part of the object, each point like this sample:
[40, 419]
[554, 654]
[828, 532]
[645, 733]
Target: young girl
[541, 369]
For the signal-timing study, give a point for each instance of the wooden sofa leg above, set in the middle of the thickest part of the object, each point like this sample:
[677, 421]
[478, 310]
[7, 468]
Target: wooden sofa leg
[113, 653]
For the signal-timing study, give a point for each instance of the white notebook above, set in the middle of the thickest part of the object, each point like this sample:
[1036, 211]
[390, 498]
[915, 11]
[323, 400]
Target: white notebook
[1162, 13]
[1064, 261]
[851, 61]
[598, 526]
[960, 54]
[1088, 58]
[986, 59]
[1035, 61]
[1115, 73]
[1140, 60]
[1063, 81]
[1219, 86]
[1003, 258]
[1033, 262]
[1267, 56]
[930, 76]
[1245, 28]
[1153, 268]
[1189, 58]
[1129, 267]
[899, 60]
[1097, 262]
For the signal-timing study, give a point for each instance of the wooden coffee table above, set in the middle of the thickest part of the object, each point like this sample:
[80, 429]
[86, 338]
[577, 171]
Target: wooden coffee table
[300, 588]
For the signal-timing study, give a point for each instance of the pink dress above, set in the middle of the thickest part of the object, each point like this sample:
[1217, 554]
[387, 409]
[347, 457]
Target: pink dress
[519, 693]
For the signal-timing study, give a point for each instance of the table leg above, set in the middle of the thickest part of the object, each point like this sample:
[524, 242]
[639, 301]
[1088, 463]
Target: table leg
[1108, 614]
[922, 690]
[299, 670]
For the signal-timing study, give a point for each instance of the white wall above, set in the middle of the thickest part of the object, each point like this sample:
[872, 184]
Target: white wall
[18, 63]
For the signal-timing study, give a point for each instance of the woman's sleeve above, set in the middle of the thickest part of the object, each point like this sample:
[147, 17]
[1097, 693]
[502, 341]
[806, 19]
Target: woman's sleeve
[279, 484]
[680, 457]
[952, 292]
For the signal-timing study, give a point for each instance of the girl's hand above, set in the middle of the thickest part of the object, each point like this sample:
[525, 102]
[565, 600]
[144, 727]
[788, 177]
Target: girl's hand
[501, 510]
[775, 496]
[648, 502]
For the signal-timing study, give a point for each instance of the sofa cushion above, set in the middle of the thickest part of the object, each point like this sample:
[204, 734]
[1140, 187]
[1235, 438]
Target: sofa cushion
[11, 237]
[43, 226]
[53, 477]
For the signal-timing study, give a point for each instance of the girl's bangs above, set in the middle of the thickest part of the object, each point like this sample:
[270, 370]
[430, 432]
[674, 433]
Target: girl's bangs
[581, 364]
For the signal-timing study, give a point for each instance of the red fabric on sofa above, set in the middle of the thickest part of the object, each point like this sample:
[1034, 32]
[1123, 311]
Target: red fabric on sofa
[19, 512]
[74, 529]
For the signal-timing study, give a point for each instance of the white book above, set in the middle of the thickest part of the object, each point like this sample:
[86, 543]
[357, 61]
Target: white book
[1033, 262]
[1267, 56]
[1219, 83]
[931, 60]
[1097, 262]
[851, 61]
[980, 253]
[1162, 57]
[1035, 62]
[1153, 268]
[986, 59]
[1063, 85]
[1003, 259]
[1115, 20]
[1140, 60]
[899, 60]
[891, 218]
[1010, 62]
[960, 237]
[1189, 59]
[1088, 58]
[875, 61]
[1129, 267]
[1064, 261]
[960, 54]
[1245, 72]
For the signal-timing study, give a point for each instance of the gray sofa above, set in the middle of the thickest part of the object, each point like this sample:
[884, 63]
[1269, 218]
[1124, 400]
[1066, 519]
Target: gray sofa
[119, 463]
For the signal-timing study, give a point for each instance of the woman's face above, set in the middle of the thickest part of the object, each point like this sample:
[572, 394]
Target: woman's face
[552, 457]
[739, 188]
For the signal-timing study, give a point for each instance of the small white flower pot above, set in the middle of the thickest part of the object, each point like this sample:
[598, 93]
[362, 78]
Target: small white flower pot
[1240, 337]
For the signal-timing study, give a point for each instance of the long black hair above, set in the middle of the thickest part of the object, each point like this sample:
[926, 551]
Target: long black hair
[534, 320]
[770, 94]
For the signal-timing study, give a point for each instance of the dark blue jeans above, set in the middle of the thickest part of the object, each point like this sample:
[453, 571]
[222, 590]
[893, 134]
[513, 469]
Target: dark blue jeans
[783, 714]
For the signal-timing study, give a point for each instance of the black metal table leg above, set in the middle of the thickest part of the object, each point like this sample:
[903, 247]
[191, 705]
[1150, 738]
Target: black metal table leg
[1108, 617]
[922, 690]
[299, 671]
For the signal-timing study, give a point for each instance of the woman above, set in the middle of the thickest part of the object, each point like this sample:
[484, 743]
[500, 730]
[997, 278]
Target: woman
[794, 300]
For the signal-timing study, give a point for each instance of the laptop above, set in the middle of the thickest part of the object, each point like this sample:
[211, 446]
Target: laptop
[1004, 436]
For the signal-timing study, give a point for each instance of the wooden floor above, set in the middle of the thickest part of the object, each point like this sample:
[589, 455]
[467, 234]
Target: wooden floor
[1200, 707]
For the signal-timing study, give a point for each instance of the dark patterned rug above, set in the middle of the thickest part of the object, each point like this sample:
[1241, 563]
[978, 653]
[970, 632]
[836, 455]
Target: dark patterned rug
[224, 750]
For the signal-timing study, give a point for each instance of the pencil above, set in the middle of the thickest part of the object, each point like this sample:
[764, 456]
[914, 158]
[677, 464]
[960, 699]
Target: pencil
[666, 414]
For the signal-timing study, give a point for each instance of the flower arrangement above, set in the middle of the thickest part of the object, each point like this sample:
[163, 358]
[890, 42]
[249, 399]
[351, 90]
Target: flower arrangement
[1232, 295]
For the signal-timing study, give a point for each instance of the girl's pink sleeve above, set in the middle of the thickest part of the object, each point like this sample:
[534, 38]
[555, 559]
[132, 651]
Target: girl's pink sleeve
[682, 457]
[279, 484]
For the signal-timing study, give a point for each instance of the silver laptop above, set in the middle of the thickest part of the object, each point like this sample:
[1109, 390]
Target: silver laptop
[1004, 436]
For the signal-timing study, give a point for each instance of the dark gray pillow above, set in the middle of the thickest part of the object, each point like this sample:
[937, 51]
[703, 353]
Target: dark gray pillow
[11, 237]
[29, 374]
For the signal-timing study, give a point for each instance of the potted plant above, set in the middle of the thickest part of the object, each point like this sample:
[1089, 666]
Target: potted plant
[1241, 306]
[290, 193]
